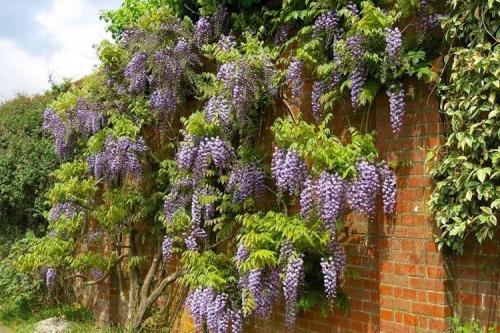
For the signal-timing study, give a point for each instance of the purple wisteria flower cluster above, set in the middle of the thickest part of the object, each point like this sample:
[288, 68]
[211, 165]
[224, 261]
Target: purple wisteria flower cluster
[330, 194]
[362, 190]
[227, 42]
[166, 247]
[426, 19]
[209, 28]
[397, 107]
[330, 190]
[242, 82]
[282, 34]
[194, 238]
[201, 211]
[136, 73]
[50, 277]
[67, 209]
[177, 198]
[218, 110]
[54, 124]
[288, 170]
[195, 154]
[327, 195]
[246, 181]
[119, 158]
[85, 119]
[214, 309]
[332, 269]
[328, 23]
[319, 88]
[295, 80]
[358, 75]
[90, 117]
[393, 38]
[170, 68]
[388, 188]
[357, 78]
[261, 285]
[294, 277]
[353, 8]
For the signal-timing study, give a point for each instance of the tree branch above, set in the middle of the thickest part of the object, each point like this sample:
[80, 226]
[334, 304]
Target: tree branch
[102, 278]
[150, 275]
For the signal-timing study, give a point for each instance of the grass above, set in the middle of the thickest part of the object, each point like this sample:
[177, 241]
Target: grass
[80, 318]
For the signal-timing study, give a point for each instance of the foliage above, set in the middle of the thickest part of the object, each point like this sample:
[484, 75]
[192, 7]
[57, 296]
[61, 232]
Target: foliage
[20, 292]
[217, 72]
[321, 148]
[26, 159]
[458, 326]
[467, 195]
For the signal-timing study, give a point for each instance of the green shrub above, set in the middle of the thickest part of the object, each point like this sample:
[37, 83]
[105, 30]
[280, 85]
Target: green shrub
[26, 159]
[473, 326]
[20, 292]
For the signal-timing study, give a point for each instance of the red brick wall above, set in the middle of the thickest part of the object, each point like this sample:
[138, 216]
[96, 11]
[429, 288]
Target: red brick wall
[402, 283]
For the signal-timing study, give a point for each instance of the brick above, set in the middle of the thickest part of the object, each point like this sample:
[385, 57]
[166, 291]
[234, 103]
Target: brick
[435, 272]
[387, 267]
[404, 269]
[386, 290]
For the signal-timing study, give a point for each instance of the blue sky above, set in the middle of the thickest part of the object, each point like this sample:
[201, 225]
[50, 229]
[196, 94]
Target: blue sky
[39, 38]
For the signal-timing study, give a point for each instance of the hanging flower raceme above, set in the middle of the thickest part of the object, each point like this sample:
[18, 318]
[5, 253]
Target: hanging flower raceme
[55, 125]
[388, 188]
[362, 191]
[282, 34]
[327, 23]
[203, 32]
[246, 181]
[166, 247]
[214, 309]
[90, 117]
[242, 82]
[294, 277]
[67, 209]
[394, 42]
[177, 198]
[288, 170]
[136, 72]
[219, 110]
[226, 43]
[295, 80]
[319, 88]
[196, 154]
[425, 18]
[332, 268]
[119, 158]
[397, 107]
[50, 277]
[330, 189]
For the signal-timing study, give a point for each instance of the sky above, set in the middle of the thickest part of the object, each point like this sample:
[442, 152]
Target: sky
[42, 38]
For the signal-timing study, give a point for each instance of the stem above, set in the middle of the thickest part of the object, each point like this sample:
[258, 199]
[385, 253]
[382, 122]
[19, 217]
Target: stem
[151, 299]
[134, 277]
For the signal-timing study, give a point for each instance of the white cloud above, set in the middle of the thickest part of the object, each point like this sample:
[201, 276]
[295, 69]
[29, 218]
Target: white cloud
[20, 72]
[73, 27]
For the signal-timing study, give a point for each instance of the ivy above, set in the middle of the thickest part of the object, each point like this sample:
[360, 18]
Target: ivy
[467, 195]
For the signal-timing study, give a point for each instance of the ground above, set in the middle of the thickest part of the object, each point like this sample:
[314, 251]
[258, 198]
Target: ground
[4, 329]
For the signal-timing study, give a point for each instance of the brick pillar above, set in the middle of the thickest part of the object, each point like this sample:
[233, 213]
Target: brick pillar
[412, 279]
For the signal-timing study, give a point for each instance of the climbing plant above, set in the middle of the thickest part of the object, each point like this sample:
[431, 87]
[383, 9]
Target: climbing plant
[161, 143]
[466, 167]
